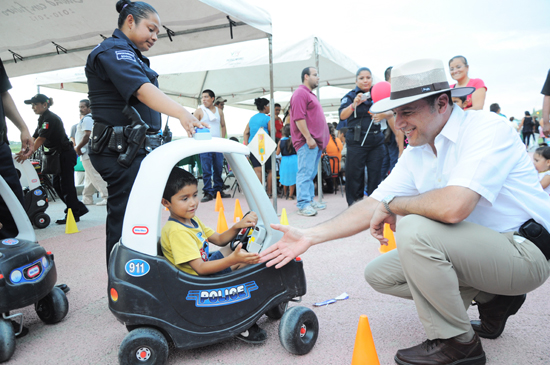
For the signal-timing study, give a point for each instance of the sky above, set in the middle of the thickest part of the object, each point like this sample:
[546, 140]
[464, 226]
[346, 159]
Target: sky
[506, 43]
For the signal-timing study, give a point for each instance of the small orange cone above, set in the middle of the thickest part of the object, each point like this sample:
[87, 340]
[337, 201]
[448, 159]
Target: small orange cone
[388, 233]
[222, 223]
[284, 218]
[219, 204]
[238, 212]
[364, 352]
[70, 224]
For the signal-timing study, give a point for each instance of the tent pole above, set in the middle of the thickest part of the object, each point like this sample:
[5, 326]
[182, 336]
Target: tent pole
[272, 124]
[319, 170]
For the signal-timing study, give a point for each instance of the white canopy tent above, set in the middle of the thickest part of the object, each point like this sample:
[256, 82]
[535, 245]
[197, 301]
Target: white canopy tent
[237, 72]
[52, 35]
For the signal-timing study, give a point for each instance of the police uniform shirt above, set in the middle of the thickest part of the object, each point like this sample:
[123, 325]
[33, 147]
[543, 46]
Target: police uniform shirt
[51, 128]
[116, 69]
[363, 116]
[4, 87]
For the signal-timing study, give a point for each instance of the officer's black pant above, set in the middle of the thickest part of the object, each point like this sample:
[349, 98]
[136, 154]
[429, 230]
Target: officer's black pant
[9, 173]
[63, 183]
[370, 155]
[119, 184]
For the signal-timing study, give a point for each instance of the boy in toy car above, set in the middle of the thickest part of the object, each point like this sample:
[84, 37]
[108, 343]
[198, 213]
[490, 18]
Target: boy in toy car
[185, 239]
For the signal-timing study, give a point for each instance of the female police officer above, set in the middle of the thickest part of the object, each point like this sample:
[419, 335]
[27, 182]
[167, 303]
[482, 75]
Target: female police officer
[118, 74]
[51, 133]
[362, 148]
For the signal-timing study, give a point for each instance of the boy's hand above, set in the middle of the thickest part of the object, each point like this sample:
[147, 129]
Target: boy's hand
[249, 220]
[243, 257]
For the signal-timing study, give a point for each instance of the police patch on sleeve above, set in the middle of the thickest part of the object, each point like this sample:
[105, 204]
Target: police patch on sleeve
[344, 100]
[125, 55]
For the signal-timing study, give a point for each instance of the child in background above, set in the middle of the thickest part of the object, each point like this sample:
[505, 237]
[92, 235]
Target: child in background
[185, 239]
[460, 101]
[289, 164]
[542, 164]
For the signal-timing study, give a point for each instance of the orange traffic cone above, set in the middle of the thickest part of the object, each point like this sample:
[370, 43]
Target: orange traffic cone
[364, 352]
[388, 233]
[238, 212]
[284, 218]
[222, 223]
[219, 203]
[70, 223]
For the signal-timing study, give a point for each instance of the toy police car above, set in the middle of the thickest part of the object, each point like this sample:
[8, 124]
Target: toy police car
[27, 276]
[35, 199]
[159, 304]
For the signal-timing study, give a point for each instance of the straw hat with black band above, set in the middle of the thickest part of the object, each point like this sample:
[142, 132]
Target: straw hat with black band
[416, 80]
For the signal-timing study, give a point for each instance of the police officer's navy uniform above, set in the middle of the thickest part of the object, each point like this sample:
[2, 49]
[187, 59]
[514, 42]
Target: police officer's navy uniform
[51, 128]
[359, 154]
[116, 69]
[7, 168]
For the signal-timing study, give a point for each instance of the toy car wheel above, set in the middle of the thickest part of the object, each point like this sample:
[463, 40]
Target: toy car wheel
[7, 340]
[41, 220]
[143, 345]
[298, 330]
[53, 307]
[277, 311]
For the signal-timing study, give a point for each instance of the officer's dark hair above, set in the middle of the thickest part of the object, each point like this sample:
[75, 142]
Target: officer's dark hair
[277, 105]
[494, 108]
[432, 98]
[307, 71]
[361, 69]
[527, 114]
[544, 152]
[138, 9]
[261, 103]
[178, 179]
[85, 101]
[387, 73]
[209, 92]
[463, 60]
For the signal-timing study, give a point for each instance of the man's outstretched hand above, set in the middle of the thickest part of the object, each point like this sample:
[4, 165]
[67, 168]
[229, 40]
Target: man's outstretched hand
[294, 243]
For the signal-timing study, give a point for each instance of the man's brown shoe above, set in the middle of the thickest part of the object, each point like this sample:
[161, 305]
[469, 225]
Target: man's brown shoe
[493, 315]
[443, 352]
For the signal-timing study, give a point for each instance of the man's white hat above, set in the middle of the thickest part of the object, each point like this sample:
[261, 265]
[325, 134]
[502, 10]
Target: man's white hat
[416, 80]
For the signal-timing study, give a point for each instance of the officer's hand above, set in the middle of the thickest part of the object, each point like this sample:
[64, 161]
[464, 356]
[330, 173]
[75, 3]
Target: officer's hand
[294, 243]
[311, 143]
[358, 101]
[20, 156]
[379, 218]
[189, 124]
[26, 144]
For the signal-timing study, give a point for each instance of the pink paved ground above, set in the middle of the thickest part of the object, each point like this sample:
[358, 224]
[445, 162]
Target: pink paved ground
[90, 334]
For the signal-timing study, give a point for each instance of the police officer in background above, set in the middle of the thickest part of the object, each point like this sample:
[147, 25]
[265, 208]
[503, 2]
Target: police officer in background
[118, 74]
[364, 139]
[8, 229]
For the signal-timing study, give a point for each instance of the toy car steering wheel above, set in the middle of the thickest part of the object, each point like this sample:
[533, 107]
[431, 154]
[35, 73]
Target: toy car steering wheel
[241, 238]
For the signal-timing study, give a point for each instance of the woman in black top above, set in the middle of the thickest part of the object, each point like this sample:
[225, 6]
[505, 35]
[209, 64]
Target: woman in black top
[364, 139]
[528, 128]
[50, 133]
[119, 75]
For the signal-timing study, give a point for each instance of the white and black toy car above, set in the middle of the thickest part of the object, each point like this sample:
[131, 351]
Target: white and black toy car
[161, 305]
[35, 196]
[27, 276]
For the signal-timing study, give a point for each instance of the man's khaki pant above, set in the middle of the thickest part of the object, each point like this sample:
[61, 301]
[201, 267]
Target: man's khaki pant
[442, 267]
[93, 182]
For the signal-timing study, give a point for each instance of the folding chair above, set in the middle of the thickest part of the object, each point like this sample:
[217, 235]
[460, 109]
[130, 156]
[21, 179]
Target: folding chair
[335, 166]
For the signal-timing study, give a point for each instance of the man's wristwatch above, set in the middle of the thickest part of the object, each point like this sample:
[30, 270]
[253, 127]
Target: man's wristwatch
[386, 201]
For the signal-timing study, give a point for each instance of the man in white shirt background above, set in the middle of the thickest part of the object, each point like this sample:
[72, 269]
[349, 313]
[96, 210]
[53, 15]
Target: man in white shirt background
[211, 162]
[93, 181]
[465, 187]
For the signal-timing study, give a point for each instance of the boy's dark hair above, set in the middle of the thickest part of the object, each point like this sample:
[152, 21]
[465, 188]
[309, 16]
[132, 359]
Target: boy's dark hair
[178, 179]
[277, 105]
[462, 98]
[209, 92]
[544, 152]
[494, 108]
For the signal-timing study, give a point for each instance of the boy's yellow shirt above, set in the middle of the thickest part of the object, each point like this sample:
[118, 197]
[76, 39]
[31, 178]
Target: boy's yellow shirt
[182, 244]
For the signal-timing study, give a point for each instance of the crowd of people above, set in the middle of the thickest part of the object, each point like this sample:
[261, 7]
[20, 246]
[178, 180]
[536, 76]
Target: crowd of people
[468, 192]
